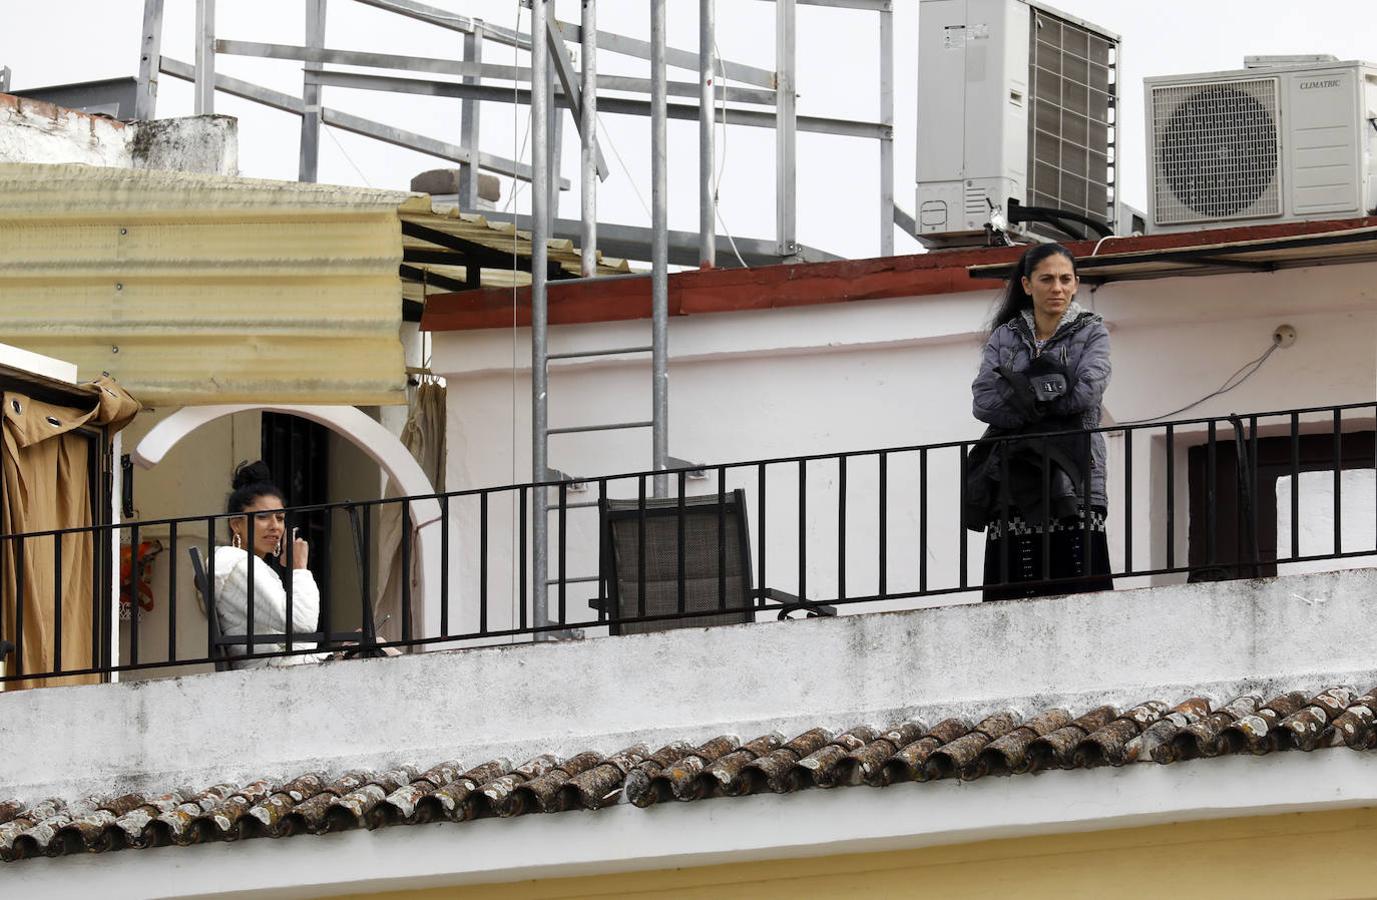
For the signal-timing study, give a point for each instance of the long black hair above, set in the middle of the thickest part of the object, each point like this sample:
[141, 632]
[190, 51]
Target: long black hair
[1014, 299]
[251, 481]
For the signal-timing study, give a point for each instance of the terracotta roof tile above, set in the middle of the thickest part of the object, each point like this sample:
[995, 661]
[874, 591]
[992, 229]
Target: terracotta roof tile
[1001, 744]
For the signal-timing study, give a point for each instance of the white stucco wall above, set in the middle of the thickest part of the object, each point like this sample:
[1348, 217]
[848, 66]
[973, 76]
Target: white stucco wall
[1158, 643]
[37, 132]
[888, 373]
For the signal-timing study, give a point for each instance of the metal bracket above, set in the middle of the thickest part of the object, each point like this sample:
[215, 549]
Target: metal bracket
[695, 470]
[575, 484]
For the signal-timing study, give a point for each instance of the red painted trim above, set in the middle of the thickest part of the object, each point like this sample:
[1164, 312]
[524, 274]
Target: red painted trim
[804, 284]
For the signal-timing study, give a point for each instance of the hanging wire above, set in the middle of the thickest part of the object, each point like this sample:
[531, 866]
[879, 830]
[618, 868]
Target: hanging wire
[722, 164]
[1251, 366]
[330, 131]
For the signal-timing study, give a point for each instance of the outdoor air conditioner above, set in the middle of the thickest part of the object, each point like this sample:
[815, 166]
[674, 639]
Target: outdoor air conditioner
[1263, 144]
[1016, 102]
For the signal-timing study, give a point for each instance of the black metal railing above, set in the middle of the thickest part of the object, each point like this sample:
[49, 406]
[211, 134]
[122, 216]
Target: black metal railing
[1198, 499]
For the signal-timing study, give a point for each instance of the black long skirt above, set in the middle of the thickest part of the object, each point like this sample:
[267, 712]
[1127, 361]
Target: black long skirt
[1014, 557]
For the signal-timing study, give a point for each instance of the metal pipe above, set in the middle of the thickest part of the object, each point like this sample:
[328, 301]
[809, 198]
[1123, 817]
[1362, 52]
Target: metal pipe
[786, 129]
[309, 163]
[205, 58]
[659, 250]
[588, 115]
[145, 103]
[468, 123]
[540, 233]
[707, 199]
[554, 135]
[887, 118]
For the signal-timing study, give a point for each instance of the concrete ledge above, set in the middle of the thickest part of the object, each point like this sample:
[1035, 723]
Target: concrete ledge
[1300, 632]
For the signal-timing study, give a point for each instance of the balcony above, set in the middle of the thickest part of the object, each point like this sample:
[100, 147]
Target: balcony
[1205, 499]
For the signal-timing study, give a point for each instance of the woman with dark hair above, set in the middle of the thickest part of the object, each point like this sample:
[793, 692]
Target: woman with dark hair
[1044, 372]
[254, 495]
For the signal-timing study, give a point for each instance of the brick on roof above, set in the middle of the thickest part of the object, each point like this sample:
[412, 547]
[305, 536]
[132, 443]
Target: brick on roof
[1001, 744]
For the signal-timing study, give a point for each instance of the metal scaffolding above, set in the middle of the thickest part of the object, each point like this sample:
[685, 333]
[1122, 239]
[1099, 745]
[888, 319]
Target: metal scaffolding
[725, 92]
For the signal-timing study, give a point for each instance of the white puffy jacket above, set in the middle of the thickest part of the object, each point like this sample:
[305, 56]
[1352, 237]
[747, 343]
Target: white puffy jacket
[269, 606]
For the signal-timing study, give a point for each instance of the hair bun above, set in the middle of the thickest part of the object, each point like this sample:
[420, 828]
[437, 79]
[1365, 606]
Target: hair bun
[251, 473]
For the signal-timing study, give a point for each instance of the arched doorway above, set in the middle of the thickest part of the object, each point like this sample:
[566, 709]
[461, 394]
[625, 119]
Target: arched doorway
[368, 436]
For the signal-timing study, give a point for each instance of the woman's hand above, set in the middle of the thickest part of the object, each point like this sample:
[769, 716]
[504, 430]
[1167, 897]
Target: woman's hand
[301, 552]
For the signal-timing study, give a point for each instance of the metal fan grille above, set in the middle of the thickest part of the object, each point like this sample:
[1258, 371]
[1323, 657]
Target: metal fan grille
[1216, 150]
[1073, 91]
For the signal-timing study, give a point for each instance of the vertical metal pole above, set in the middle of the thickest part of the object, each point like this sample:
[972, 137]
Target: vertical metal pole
[707, 163]
[588, 127]
[659, 249]
[540, 234]
[468, 121]
[310, 94]
[205, 57]
[786, 131]
[150, 52]
[555, 136]
[887, 119]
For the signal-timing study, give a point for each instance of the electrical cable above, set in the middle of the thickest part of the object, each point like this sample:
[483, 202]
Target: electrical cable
[602, 128]
[357, 170]
[1252, 366]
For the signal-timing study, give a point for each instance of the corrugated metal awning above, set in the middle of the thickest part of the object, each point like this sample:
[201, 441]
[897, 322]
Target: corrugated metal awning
[195, 289]
[446, 250]
[1204, 257]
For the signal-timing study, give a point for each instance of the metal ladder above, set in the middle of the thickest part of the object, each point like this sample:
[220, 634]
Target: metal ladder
[542, 216]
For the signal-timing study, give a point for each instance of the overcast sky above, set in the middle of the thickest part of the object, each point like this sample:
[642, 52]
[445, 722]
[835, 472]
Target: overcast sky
[60, 41]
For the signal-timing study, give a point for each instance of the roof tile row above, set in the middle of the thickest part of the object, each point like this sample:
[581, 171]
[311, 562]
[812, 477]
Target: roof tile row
[1002, 743]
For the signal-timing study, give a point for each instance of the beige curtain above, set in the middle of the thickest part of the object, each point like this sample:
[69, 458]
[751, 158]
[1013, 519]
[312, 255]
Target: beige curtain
[47, 487]
[424, 436]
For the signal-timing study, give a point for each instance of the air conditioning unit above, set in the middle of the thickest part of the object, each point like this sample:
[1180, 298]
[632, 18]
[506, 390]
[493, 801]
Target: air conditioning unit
[1286, 142]
[1016, 102]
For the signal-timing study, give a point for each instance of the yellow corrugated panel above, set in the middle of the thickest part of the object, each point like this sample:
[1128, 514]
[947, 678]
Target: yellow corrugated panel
[195, 289]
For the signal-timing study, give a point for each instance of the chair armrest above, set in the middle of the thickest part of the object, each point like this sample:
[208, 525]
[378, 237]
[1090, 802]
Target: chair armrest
[792, 603]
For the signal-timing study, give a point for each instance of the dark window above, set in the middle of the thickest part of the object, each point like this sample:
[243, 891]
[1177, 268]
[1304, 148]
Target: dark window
[1233, 506]
[296, 452]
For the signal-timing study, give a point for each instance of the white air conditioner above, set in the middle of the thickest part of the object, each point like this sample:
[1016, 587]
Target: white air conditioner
[1016, 102]
[1262, 144]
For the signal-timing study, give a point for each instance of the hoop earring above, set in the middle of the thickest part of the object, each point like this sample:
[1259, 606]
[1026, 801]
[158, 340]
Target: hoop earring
[234, 541]
[277, 550]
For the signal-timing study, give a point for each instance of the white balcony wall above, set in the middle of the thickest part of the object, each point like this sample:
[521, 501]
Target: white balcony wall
[876, 374]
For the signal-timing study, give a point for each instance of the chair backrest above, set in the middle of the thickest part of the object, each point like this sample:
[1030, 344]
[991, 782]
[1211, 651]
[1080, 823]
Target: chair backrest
[203, 586]
[716, 560]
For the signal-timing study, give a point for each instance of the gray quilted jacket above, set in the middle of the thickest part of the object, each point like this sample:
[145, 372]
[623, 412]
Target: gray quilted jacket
[1081, 347]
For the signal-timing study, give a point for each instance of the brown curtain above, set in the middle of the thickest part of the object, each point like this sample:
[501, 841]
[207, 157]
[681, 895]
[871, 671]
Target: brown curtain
[46, 461]
[424, 436]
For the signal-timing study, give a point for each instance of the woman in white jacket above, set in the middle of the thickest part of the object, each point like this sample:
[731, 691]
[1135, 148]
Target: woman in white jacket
[254, 494]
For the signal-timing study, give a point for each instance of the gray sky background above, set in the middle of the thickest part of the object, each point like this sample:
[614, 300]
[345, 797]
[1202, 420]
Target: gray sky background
[61, 41]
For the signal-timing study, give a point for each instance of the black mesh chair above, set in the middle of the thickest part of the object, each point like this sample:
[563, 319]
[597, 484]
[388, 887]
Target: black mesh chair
[714, 557]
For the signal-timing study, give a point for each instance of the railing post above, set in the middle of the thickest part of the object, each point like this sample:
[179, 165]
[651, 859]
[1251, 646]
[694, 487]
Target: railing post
[786, 131]
[887, 120]
[150, 55]
[707, 199]
[310, 94]
[469, 121]
[659, 248]
[205, 58]
[588, 143]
